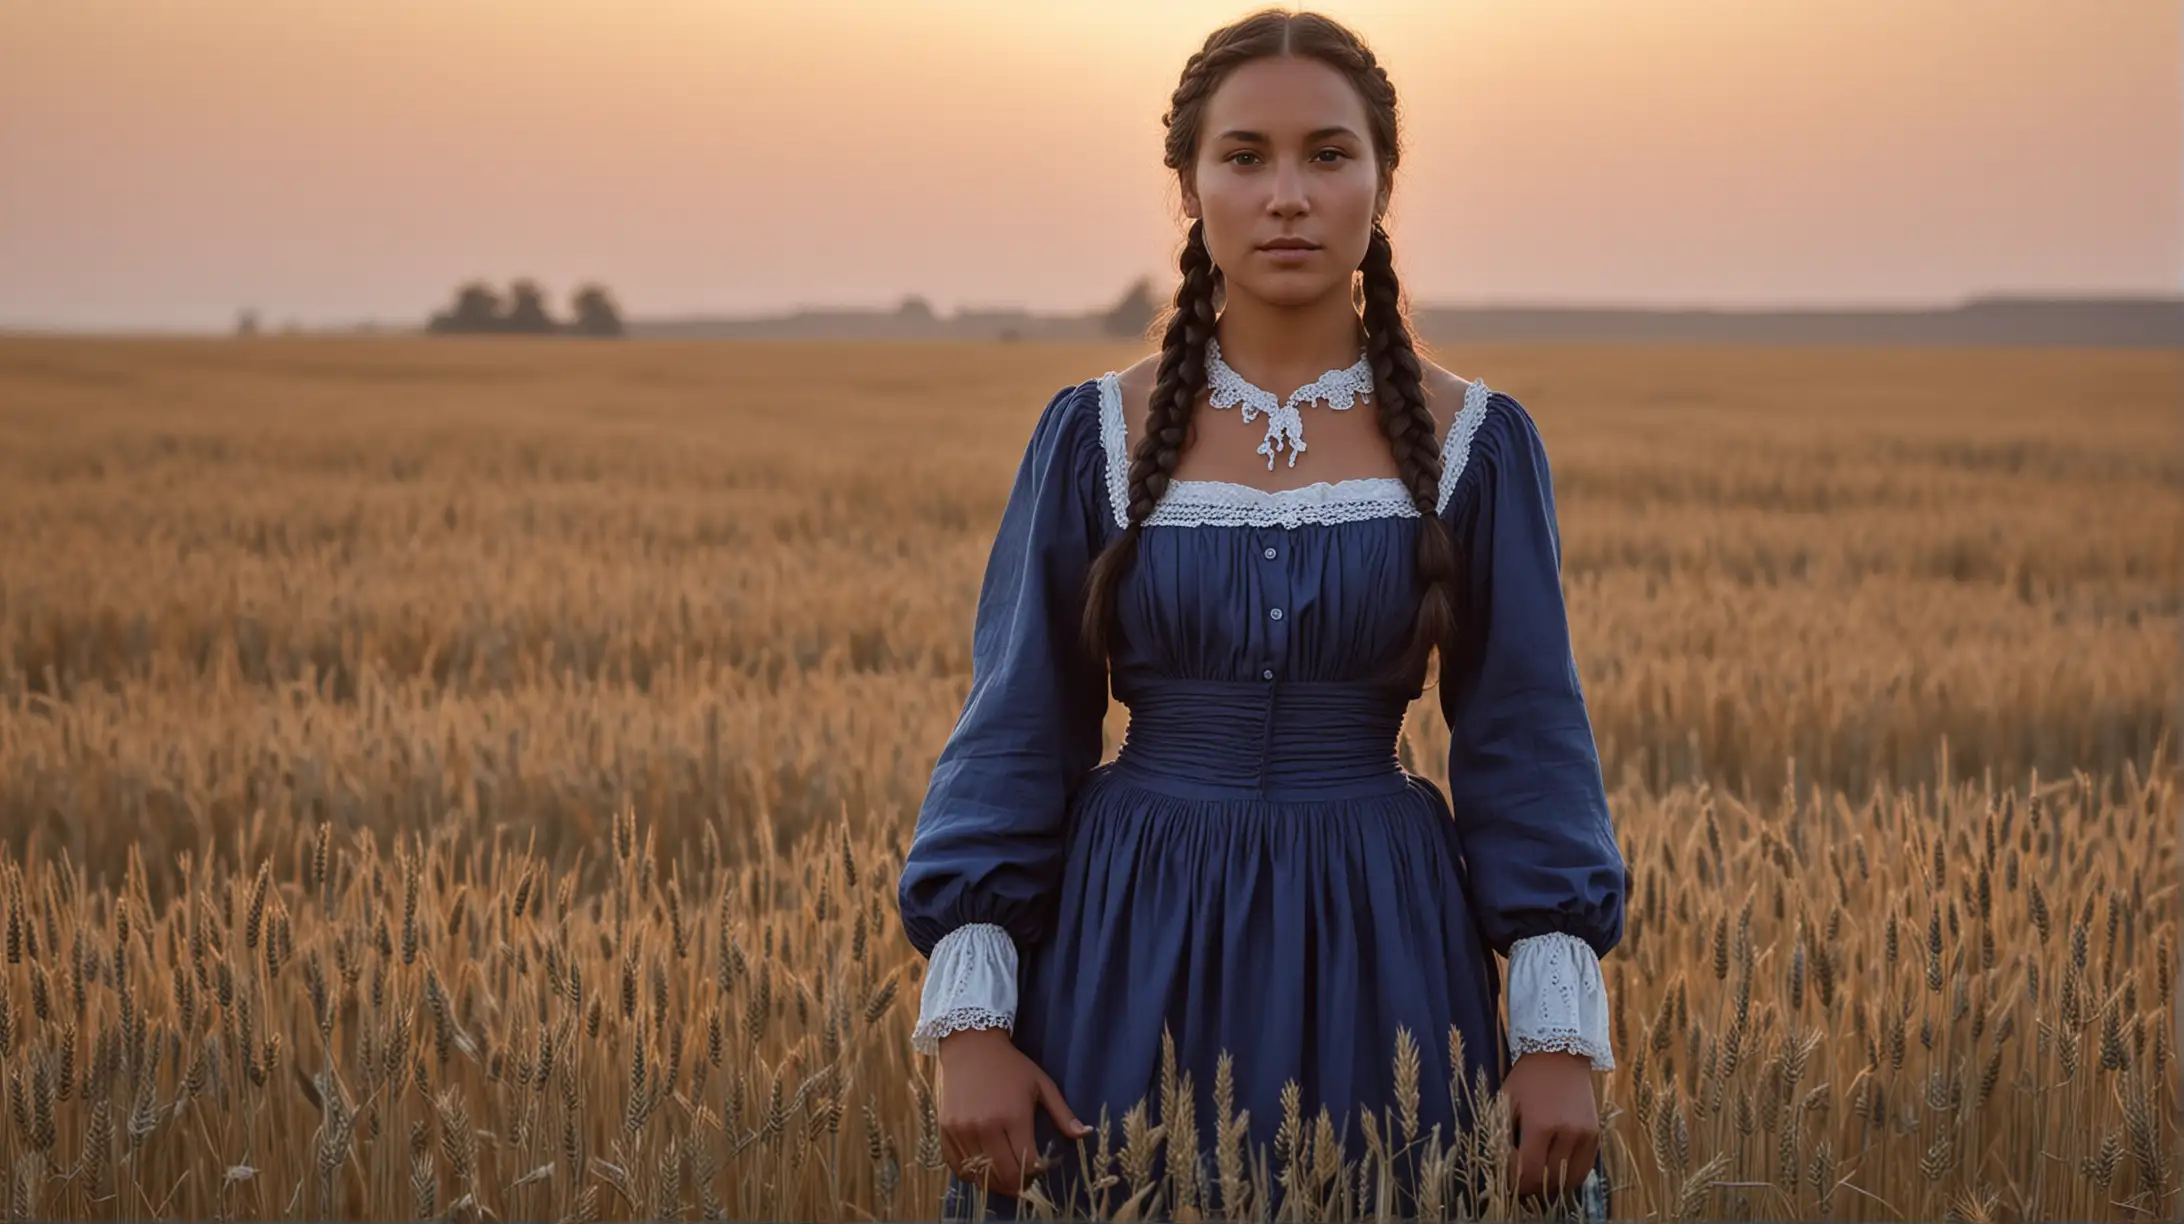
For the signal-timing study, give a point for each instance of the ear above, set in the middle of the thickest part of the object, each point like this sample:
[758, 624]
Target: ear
[1191, 206]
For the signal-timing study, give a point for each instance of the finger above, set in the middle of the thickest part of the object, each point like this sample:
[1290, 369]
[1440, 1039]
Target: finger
[977, 1162]
[1002, 1174]
[952, 1150]
[1531, 1159]
[1561, 1169]
[1050, 1095]
[977, 1166]
[1023, 1149]
[1587, 1154]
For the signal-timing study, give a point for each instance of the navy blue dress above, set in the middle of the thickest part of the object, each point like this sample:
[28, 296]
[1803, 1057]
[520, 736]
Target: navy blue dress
[1256, 871]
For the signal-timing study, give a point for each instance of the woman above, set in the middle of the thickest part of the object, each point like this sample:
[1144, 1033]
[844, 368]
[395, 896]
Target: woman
[1256, 873]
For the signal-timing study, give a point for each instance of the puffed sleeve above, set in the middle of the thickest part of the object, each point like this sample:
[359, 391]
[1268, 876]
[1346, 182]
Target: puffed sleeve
[978, 878]
[1547, 879]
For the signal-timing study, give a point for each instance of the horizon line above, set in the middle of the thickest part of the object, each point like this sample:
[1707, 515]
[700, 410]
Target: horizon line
[276, 323]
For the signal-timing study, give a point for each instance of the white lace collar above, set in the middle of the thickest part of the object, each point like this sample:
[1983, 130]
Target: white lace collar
[1221, 503]
[1284, 423]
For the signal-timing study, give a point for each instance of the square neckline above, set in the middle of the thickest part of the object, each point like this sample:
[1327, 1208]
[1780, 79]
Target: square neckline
[1228, 503]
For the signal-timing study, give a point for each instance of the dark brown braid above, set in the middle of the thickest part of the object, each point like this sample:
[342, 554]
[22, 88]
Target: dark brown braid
[1398, 380]
[1399, 391]
[1152, 462]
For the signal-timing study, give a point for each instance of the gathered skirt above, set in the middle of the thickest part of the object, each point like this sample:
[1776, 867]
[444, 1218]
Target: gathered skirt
[1299, 935]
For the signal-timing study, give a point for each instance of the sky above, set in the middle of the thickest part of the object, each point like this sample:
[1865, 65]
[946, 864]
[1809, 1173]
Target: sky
[164, 165]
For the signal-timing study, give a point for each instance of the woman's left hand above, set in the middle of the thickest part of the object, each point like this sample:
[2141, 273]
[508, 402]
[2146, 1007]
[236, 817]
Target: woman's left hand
[1551, 1094]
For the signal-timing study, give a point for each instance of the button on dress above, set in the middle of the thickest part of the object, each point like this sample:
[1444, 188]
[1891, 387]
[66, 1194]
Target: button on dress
[1255, 871]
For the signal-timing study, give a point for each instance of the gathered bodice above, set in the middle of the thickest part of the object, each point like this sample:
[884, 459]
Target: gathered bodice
[1219, 739]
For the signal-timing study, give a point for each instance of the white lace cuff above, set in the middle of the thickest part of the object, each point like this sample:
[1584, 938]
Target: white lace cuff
[1557, 999]
[970, 983]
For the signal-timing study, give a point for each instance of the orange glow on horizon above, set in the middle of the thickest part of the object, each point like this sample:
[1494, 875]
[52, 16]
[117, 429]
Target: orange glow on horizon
[169, 164]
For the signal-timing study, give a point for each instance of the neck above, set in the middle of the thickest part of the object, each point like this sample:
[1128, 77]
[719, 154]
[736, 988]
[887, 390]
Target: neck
[1281, 348]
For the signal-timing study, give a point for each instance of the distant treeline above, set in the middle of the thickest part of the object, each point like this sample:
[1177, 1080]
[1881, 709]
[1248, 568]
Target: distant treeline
[1994, 320]
[479, 309]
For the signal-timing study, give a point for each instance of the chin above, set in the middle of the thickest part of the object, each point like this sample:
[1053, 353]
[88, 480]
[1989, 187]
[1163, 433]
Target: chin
[1292, 290]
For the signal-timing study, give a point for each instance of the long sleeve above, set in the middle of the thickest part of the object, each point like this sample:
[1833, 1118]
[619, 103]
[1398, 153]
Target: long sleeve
[1548, 880]
[986, 857]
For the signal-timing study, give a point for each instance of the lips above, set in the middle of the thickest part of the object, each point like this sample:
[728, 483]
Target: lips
[1289, 244]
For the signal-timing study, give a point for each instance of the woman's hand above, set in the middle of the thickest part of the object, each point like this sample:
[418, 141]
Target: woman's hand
[989, 1091]
[1551, 1093]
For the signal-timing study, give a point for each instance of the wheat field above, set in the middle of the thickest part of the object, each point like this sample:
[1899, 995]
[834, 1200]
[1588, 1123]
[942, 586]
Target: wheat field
[466, 778]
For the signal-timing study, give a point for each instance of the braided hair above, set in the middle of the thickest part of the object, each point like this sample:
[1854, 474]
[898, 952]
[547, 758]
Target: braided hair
[1398, 378]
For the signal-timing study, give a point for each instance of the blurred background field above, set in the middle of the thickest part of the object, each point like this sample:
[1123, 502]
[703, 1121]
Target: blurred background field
[372, 581]
[466, 776]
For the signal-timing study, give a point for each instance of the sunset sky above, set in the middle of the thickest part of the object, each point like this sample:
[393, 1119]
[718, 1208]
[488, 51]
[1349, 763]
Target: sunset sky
[164, 164]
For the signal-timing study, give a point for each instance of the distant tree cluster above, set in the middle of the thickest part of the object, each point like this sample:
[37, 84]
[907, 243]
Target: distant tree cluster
[1133, 313]
[479, 309]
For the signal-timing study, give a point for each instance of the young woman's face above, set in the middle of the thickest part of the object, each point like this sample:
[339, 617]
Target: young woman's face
[1285, 155]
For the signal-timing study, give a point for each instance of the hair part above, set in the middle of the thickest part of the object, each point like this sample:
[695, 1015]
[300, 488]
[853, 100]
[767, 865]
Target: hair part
[1398, 378]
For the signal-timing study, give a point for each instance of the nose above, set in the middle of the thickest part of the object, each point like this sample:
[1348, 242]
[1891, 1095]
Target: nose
[1288, 199]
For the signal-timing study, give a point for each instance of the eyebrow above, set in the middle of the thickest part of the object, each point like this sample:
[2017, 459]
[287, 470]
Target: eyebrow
[1316, 134]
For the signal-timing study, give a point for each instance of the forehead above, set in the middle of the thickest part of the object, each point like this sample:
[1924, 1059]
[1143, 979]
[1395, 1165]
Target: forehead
[1284, 97]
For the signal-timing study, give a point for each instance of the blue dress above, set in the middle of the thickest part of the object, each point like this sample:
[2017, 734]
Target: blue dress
[1255, 871]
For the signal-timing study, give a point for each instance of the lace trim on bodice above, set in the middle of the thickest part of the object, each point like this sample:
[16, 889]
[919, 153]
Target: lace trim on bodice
[1221, 503]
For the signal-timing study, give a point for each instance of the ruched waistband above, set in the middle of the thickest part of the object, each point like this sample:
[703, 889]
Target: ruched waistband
[1271, 740]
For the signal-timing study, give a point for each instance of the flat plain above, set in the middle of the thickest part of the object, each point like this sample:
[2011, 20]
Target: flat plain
[466, 777]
